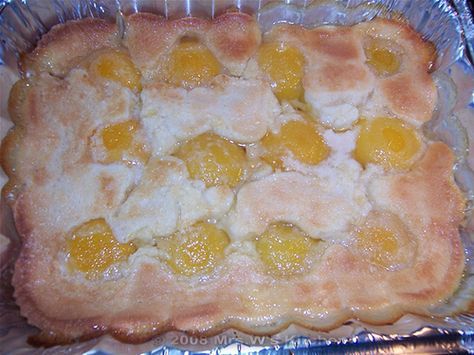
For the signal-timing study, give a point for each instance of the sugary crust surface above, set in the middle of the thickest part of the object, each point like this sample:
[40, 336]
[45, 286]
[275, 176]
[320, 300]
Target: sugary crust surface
[135, 306]
[173, 201]
[409, 94]
[55, 185]
[338, 80]
[171, 114]
[41, 114]
[325, 210]
[232, 37]
[63, 47]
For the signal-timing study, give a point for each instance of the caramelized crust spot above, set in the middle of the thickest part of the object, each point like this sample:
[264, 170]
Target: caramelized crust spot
[409, 99]
[235, 35]
[18, 95]
[8, 151]
[337, 76]
[336, 43]
[146, 30]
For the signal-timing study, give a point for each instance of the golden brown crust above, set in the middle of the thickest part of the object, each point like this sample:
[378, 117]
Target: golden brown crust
[337, 70]
[410, 97]
[10, 145]
[232, 37]
[402, 32]
[136, 309]
[145, 30]
[334, 79]
[334, 56]
[61, 187]
[331, 42]
[416, 194]
[410, 93]
[235, 37]
[65, 45]
[416, 197]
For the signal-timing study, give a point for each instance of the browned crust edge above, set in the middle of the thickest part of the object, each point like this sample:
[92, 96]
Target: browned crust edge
[79, 37]
[83, 329]
[87, 327]
[427, 49]
[10, 144]
[233, 38]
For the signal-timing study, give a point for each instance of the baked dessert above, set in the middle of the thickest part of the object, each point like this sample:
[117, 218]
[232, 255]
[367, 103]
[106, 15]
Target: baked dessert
[197, 175]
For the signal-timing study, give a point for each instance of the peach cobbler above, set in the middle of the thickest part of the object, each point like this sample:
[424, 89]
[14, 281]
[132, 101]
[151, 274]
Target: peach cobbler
[199, 175]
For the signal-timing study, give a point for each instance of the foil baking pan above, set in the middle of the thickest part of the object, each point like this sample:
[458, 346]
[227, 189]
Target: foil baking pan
[448, 24]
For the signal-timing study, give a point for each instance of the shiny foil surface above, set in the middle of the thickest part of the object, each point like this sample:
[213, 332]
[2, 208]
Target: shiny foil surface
[448, 24]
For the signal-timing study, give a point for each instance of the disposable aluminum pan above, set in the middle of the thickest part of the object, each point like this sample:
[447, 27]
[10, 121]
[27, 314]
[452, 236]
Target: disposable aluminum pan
[448, 24]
